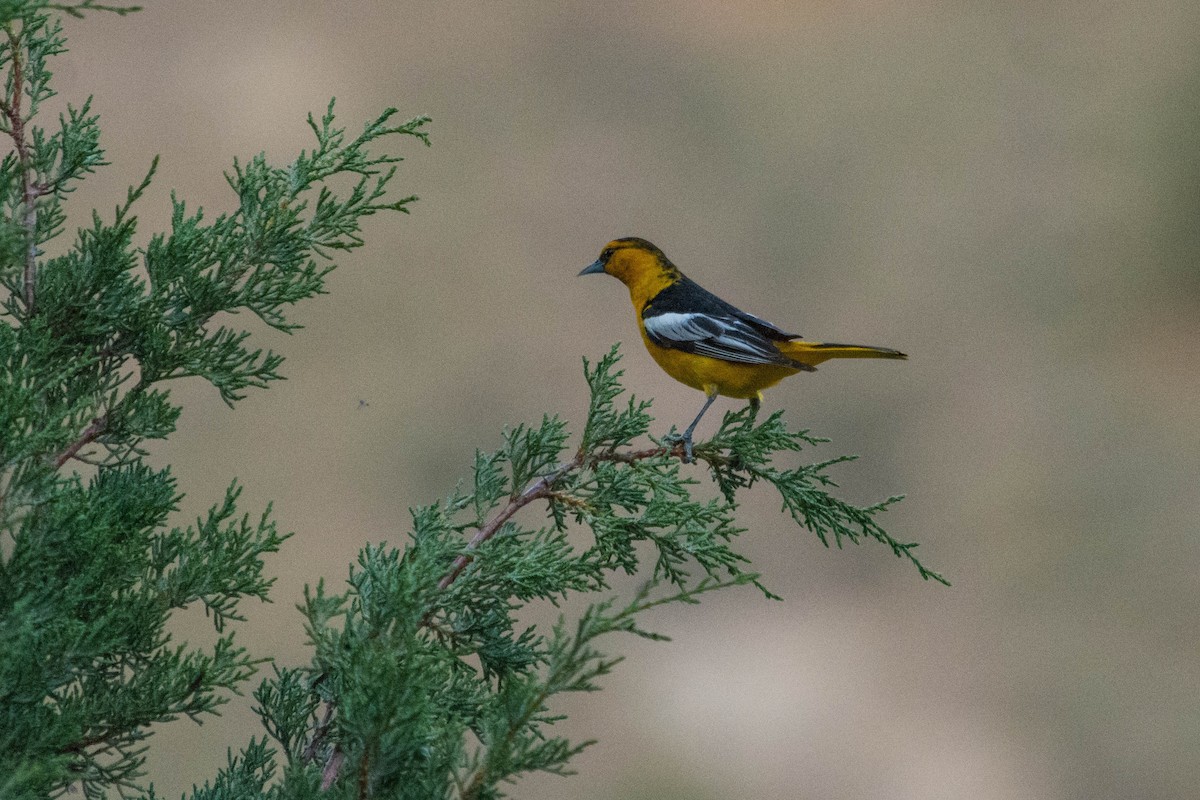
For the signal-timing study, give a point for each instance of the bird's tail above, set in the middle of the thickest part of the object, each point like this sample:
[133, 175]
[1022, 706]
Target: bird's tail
[813, 353]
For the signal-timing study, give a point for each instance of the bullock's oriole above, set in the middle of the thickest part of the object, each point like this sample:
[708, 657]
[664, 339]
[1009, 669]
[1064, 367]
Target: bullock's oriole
[704, 342]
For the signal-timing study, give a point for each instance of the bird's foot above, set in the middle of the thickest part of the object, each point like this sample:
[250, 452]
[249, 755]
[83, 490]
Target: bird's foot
[685, 439]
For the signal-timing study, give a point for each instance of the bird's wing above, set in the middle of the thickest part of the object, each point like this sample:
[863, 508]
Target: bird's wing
[718, 336]
[685, 316]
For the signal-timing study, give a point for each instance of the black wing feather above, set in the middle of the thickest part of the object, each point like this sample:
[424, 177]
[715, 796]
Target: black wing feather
[685, 316]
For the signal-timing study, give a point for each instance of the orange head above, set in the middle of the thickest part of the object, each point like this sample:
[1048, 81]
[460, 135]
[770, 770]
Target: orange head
[638, 264]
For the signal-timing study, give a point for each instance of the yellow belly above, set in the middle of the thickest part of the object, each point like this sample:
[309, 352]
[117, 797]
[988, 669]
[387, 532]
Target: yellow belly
[714, 376]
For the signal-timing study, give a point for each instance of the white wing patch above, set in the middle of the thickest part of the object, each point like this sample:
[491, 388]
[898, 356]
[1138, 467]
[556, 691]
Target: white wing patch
[726, 338]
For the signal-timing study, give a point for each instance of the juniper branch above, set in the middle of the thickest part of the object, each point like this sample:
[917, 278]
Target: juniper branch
[453, 592]
[543, 488]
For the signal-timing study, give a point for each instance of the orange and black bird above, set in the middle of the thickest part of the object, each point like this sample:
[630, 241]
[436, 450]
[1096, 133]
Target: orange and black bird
[704, 342]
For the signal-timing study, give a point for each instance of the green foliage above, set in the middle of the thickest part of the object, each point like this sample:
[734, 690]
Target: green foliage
[740, 454]
[425, 682]
[90, 568]
[426, 679]
[11, 10]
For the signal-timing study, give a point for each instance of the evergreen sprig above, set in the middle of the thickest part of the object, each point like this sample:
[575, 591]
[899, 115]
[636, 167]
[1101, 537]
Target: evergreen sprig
[740, 454]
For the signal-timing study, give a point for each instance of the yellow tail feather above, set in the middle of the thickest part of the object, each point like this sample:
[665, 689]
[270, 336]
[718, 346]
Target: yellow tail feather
[813, 353]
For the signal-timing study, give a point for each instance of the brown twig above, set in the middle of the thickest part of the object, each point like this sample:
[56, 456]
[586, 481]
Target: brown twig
[364, 776]
[333, 767]
[538, 489]
[639, 455]
[310, 752]
[31, 189]
[89, 435]
[541, 488]
[82, 745]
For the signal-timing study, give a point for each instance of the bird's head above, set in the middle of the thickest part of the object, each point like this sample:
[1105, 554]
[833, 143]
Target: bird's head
[635, 262]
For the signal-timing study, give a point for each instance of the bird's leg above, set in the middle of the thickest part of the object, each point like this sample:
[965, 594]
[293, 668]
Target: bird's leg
[687, 435]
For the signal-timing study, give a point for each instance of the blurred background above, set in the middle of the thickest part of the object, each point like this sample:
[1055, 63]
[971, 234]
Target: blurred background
[1010, 192]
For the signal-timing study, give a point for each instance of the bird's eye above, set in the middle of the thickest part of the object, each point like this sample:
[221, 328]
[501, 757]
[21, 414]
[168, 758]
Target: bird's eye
[607, 254]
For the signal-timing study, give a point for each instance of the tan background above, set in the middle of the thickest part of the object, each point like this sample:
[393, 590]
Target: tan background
[1007, 191]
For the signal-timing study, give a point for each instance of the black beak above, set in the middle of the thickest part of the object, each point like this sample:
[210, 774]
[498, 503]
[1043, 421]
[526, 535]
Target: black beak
[595, 267]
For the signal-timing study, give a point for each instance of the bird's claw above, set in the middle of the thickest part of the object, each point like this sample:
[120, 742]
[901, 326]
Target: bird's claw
[676, 439]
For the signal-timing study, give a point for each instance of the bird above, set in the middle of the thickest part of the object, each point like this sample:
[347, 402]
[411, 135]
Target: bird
[704, 342]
